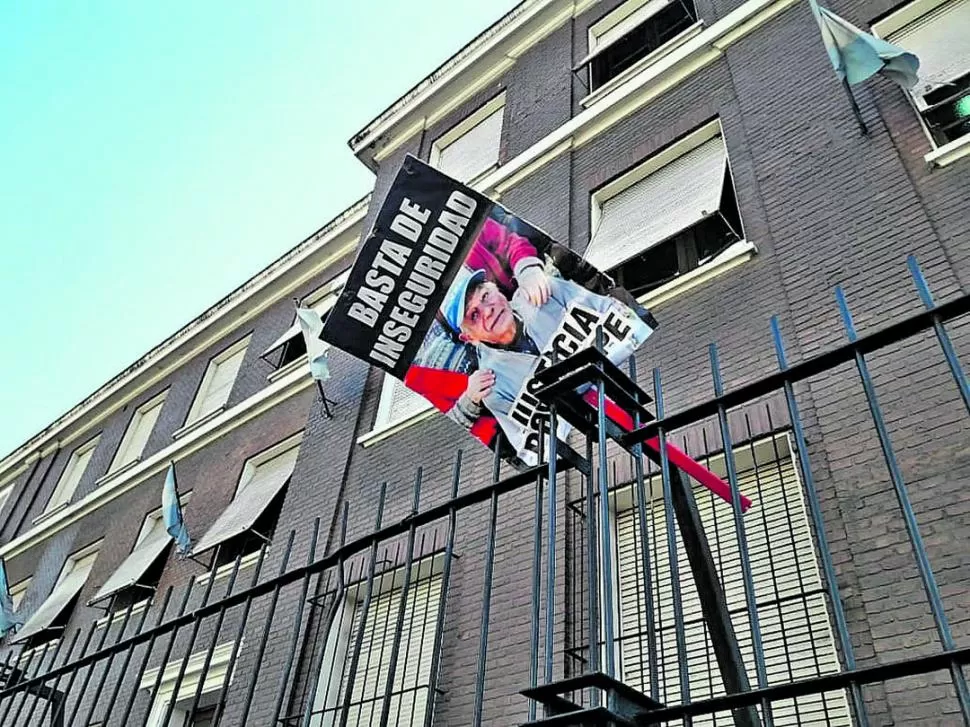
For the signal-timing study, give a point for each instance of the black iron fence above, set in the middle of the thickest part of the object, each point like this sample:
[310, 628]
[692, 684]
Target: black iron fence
[602, 583]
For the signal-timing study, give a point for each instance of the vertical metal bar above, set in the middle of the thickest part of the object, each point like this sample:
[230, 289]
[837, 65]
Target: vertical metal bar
[297, 624]
[372, 681]
[89, 671]
[124, 665]
[536, 577]
[750, 597]
[110, 659]
[424, 625]
[368, 593]
[171, 643]
[439, 633]
[59, 710]
[207, 661]
[941, 335]
[909, 516]
[592, 567]
[487, 587]
[607, 573]
[55, 654]
[815, 509]
[553, 515]
[240, 632]
[641, 496]
[327, 624]
[50, 702]
[196, 625]
[270, 612]
[402, 605]
[672, 559]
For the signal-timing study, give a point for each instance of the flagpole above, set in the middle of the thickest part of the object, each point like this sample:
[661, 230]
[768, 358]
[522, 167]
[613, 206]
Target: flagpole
[856, 111]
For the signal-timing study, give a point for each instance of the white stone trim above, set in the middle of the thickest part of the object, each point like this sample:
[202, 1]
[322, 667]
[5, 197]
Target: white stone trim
[949, 153]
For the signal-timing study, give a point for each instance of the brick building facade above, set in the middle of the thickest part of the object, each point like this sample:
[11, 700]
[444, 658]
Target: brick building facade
[731, 101]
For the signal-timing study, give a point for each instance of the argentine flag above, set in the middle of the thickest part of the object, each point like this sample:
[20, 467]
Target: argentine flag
[311, 324]
[172, 513]
[857, 55]
[8, 621]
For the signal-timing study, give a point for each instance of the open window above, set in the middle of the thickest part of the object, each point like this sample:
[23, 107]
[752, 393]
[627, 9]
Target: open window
[136, 579]
[289, 349]
[50, 619]
[367, 685]
[938, 33]
[634, 31]
[671, 215]
[250, 519]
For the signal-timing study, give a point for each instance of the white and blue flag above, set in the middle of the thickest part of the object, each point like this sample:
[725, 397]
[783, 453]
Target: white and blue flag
[311, 324]
[857, 55]
[172, 513]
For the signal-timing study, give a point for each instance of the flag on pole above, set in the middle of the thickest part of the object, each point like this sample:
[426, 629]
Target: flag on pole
[311, 324]
[8, 621]
[857, 55]
[172, 513]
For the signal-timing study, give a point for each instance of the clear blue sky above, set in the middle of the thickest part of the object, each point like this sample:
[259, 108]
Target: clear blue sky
[153, 156]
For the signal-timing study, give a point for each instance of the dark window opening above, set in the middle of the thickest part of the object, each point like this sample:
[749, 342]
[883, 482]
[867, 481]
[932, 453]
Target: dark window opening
[202, 717]
[640, 42]
[253, 539]
[292, 350]
[144, 588]
[948, 115]
[687, 250]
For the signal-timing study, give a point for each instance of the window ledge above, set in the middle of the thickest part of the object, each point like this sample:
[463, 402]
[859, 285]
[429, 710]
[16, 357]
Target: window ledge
[120, 615]
[733, 256]
[223, 571]
[197, 423]
[49, 513]
[114, 473]
[28, 654]
[384, 431]
[647, 60]
[949, 153]
[288, 369]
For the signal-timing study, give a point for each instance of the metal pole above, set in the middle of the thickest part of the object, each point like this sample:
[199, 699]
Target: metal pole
[592, 567]
[368, 593]
[750, 597]
[107, 668]
[909, 516]
[443, 600]
[297, 624]
[536, 577]
[402, 604]
[941, 335]
[552, 507]
[270, 612]
[207, 661]
[815, 509]
[56, 720]
[328, 621]
[58, 712]
[605, 519]
[856, 111]
[641, 496]
[487, 587]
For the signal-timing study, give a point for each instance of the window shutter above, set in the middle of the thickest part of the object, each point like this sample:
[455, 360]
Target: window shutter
[794, 622]
[136, 437]
[475, 151]
[412, 675]
[941, 40]
[64, 592]
[217, 384]
[72, 475]
[671, 199]
[398, 403]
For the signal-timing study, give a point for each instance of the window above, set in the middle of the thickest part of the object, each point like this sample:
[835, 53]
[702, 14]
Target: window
[138, 575]
[398, 404]
[937, 32]
[290, 347]
[631, 33]
[472, 147]
[412, 677]
[797, 638]
[72, 474]
[214, 678]
[139, 429]
[4, 495]
[218, 380]
[17, 593]
[671, 215]
[250, 519]
[50, 619]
